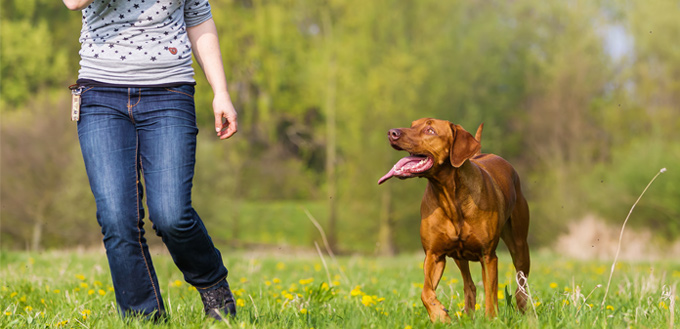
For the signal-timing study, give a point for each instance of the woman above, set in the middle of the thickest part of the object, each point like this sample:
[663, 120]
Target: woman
[137, 121]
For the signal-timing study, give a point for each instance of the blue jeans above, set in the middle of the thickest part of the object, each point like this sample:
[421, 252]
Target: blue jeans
[132, 134]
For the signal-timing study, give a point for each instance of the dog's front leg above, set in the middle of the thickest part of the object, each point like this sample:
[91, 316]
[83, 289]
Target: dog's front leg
[434, 267]
[490, 279]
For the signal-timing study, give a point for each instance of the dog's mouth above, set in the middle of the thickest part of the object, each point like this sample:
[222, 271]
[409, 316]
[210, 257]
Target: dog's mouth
[409, 166]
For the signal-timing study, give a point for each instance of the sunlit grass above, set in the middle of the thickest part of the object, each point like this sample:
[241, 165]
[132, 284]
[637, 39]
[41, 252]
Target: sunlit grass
[73, 290]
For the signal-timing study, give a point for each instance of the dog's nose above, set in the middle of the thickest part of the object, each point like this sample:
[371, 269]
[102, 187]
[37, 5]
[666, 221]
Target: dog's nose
[394, 134]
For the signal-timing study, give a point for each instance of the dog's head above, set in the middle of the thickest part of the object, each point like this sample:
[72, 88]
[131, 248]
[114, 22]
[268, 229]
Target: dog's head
[431, 144]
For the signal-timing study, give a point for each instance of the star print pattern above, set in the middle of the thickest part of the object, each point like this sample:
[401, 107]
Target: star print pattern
[139, 41]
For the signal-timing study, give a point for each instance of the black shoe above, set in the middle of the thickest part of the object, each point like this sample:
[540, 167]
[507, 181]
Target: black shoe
[218, 302]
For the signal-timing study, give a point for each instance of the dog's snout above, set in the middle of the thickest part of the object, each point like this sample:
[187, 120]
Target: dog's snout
[394, 134]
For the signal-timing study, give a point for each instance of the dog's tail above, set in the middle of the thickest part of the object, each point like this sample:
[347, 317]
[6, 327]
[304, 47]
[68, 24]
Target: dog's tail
[478, 136]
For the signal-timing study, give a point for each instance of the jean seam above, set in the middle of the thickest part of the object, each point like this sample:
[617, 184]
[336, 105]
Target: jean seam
[86, 90]
[129, 104]
[139, 236]
[179, 92]
[212, 285]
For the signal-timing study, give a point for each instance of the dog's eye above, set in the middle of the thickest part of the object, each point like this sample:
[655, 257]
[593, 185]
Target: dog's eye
[430, 131]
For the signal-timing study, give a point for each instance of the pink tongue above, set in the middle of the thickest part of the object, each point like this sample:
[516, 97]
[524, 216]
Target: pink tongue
[399, 165]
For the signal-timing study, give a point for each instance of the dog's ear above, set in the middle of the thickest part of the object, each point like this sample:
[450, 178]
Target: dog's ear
[463, 147]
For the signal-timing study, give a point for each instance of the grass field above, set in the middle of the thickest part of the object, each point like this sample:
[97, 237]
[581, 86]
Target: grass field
[61, 289]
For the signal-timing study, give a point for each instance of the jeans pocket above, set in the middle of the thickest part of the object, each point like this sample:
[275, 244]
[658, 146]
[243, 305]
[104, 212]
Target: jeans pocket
[185, 89]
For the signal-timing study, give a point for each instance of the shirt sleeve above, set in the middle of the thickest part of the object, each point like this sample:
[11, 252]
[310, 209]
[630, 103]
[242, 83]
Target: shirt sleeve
[196, 12]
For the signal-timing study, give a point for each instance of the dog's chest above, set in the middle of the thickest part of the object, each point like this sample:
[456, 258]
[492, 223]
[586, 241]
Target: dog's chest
[467, 247]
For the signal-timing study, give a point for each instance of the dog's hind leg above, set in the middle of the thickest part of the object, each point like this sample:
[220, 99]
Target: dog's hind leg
[434, 268]
[514, 234]
[468, 286]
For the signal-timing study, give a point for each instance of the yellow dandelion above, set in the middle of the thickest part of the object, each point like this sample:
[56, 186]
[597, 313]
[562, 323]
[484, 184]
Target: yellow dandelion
[276, 280]
[98, 283]
[356, 291]
[317, 267]
[83, 285]
[280, 266]
[336, 282]
[8, 313]
[31, 260]
[85, 313]
[662, 304]
[609, 307]
[62, 323]
[76, 289]
[42, 300]
[22, 299]
[101, 292]
[80, 277]
[267, 283]
[459, 314]
[477, 306]
[325, 286]
[28, 308]
[288, 296]
[56, 291]
[240, 302]
[90, 292]
[14, 294]
[553, 285]
[408, 327]
[461, 305]
[501, 294]
[537, 304]
[303, 311]
[306, 281]
[367, 300]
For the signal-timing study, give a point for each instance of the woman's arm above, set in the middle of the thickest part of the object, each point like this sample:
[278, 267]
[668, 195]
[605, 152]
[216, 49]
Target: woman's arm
[206, 47]
[77, 4]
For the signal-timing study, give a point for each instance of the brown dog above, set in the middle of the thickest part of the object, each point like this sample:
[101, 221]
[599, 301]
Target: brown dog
[471, 201]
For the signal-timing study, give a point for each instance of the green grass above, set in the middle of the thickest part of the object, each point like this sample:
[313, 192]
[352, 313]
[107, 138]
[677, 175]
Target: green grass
[60, 289]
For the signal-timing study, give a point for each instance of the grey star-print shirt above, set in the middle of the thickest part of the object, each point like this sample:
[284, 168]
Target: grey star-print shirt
[139, 42]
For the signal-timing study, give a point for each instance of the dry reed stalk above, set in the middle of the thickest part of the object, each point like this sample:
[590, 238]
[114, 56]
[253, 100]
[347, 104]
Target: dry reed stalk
[618, 249]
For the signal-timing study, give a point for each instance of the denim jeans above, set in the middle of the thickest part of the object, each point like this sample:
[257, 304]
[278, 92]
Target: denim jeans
[130, 135]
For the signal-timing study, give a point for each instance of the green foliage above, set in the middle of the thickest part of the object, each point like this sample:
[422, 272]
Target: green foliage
[284, 290]
[537, 73]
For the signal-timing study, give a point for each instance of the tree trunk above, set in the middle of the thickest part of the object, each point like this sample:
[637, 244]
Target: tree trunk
[386, 244]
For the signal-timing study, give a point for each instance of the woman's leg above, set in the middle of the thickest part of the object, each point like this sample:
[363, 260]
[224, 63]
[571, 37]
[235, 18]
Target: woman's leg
[109, 144]
[166, 124]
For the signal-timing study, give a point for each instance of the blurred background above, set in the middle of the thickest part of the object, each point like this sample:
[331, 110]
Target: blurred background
[582, 97]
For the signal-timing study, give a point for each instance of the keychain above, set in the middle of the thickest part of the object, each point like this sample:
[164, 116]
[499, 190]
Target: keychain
[76, 90]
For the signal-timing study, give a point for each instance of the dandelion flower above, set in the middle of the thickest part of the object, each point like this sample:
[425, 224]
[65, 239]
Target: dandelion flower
[8, 313]
[609, 307]
[90, 292]
[356, 291]
[367, 300]
[306, 281]
[303, 311]
[80, 277]
[28, 308]
[102, 292]
[14, 294]
[553, 285]
[240, 302]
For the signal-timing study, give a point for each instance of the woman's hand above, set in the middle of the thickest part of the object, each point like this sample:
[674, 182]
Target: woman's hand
[226, 123]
